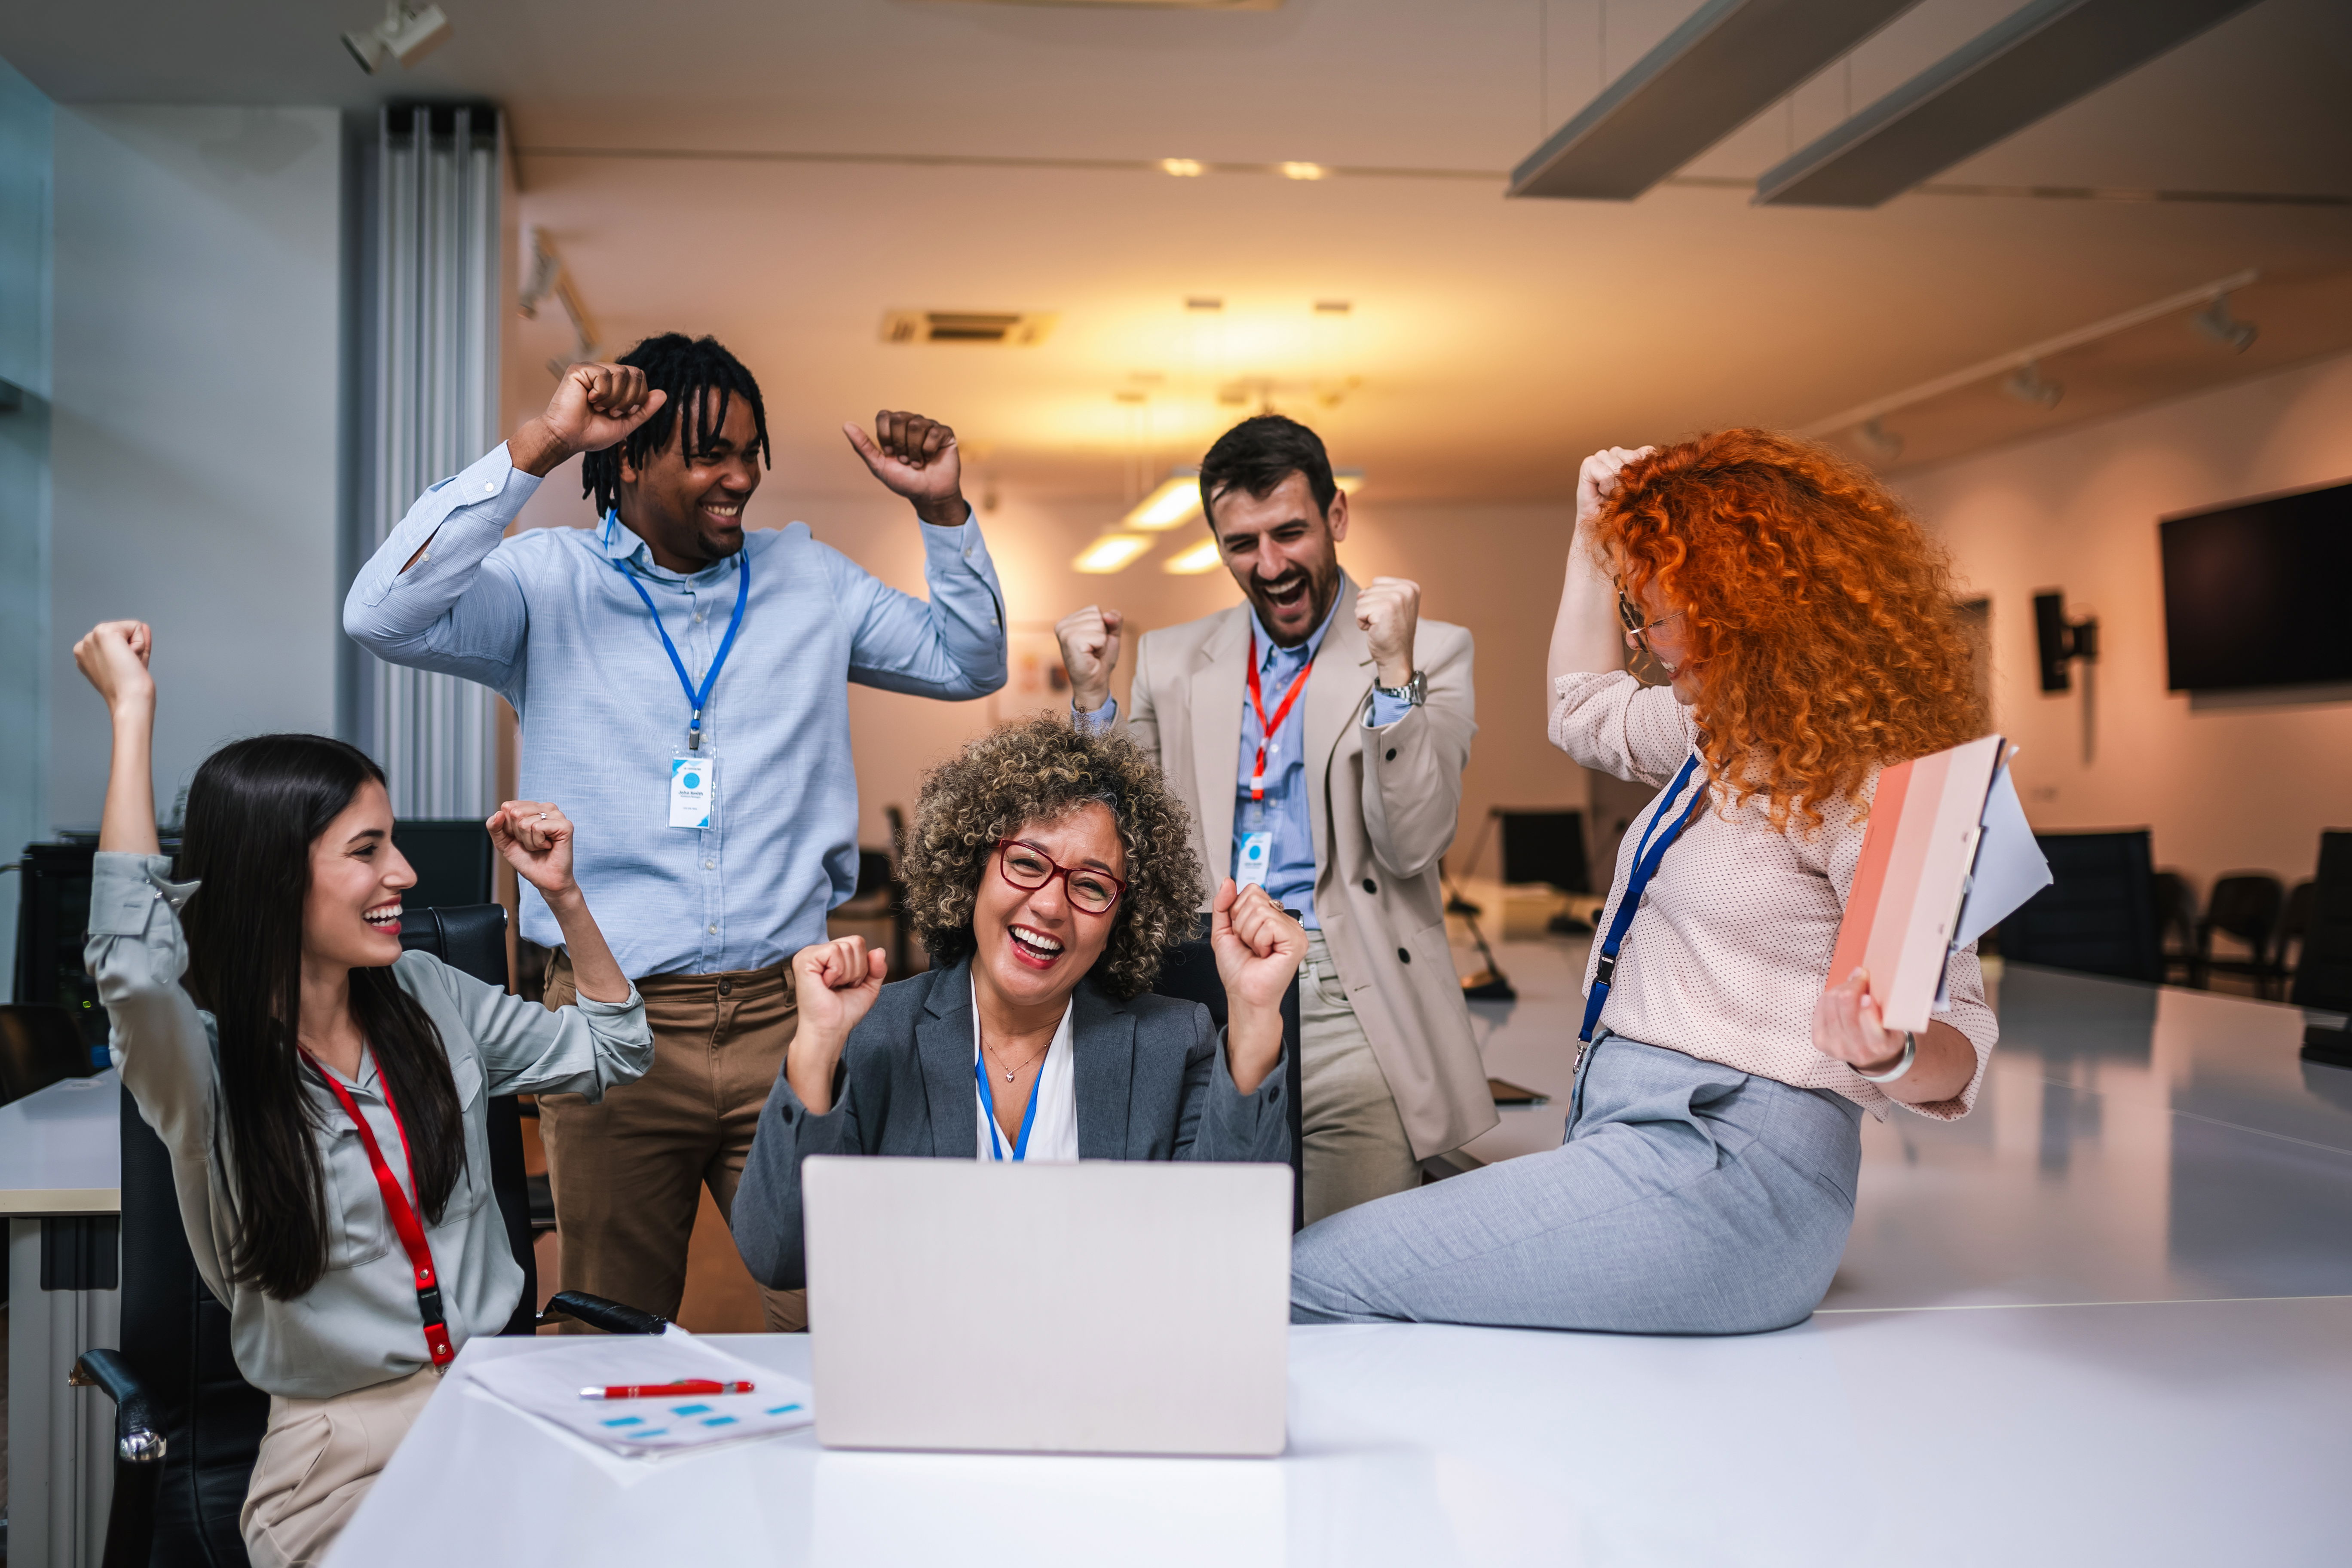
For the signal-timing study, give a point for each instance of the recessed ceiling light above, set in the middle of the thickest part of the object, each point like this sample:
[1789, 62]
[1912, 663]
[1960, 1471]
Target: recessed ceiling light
[1349, 481]
[1204, 302]
[1333, 307]
[1202, 557]
[1173, 500]
[1304, 170]
[1111, 553]
[1182, 168]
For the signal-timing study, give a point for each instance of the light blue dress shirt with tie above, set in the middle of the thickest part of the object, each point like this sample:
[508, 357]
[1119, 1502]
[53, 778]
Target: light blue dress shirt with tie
[1290, 855]
[545, 620]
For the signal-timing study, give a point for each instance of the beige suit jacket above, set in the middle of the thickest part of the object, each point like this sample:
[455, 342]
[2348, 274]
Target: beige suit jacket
[1383, 803]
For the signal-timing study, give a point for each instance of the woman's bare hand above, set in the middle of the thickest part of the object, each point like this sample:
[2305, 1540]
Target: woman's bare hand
[1258, 951]
[1846, 1026]
[534, 837]
[112, 655]
[834, 986]
[1596, 481]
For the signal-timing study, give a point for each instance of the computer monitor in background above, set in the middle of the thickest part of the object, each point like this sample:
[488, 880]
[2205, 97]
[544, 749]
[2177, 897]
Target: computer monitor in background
[1546, 847]
[451, 857]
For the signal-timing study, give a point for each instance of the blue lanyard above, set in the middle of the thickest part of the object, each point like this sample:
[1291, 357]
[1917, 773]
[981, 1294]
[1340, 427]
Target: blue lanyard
[694, 699]
[1637, 882]
[988, 1109]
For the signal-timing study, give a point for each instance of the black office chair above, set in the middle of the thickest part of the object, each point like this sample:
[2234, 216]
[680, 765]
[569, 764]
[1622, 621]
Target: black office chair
[2098, 916]
[881, 896]
[2175, 924]
[1190, 974]
[2323, 970]
[2294, 926]
[187, 1425]
[38, 1047]
[2245, 905]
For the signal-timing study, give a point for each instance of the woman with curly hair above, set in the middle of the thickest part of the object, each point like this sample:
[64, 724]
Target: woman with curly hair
[1806, 627]
[1049, 872]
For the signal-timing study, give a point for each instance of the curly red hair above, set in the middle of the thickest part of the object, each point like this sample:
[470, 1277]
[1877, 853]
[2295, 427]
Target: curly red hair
[1823, 611]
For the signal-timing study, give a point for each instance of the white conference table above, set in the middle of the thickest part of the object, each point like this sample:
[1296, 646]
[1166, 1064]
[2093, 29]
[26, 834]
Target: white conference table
[60, 1165]
[2107, 1318]
[1967, 1438]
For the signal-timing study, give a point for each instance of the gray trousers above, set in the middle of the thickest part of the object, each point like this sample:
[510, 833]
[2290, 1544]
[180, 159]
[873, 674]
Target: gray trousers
[1355, 1148]
[1689, 1198]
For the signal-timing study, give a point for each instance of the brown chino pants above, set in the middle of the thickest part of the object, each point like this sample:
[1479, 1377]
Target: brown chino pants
[625, 1172]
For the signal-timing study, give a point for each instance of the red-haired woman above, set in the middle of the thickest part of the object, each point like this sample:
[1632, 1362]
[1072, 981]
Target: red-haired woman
[1807, 628]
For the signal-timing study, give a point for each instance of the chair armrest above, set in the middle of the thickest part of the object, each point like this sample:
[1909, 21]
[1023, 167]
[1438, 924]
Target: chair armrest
[598, 1312]
[136, 1441]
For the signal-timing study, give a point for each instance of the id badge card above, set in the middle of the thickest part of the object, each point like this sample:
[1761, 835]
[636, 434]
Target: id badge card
[1256, 848]
[691, 780]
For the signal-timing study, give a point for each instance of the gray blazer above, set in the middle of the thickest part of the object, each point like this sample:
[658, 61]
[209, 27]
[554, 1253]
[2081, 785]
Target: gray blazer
[1153, 1084]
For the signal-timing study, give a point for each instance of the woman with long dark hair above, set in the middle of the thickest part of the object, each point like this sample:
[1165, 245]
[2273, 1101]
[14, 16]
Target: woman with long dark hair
[321, 1092]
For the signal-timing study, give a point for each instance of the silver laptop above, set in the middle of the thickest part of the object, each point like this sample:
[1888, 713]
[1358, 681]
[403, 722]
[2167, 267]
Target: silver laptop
[1109, 1307]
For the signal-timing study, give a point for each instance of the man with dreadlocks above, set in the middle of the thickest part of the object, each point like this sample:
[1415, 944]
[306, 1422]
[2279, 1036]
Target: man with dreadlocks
[682, 687]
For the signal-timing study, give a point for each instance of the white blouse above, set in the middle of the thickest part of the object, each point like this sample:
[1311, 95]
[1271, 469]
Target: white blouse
[1731, 946]
[1054, 1136]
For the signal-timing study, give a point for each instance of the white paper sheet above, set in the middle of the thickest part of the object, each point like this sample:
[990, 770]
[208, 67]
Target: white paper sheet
[548, 1382]
[2010, 865]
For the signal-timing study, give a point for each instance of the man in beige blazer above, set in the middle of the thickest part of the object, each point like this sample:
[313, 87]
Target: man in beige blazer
[1366, 713]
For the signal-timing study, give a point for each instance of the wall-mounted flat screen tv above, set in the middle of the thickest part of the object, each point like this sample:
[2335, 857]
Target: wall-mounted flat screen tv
[2260, 593]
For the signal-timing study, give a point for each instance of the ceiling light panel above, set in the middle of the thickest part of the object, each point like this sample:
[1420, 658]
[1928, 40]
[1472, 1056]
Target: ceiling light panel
[2034, 62]
[1177, 500]
[1112, 553]
[1730, 61]
[1202, 557]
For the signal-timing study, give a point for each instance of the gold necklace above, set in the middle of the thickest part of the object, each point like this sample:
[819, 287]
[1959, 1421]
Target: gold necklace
[1010, 1072]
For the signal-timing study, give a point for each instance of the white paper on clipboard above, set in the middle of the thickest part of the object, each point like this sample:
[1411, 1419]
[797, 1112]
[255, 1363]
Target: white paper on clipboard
[2009, 868]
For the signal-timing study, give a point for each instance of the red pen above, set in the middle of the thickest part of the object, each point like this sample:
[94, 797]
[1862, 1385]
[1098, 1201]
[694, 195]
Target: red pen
[665, 1390]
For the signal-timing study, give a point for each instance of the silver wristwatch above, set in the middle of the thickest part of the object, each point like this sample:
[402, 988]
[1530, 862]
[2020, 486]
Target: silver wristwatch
[1412, 693]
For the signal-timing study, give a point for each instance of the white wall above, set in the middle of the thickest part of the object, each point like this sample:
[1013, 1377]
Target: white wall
[195, 452]
[2225, 788]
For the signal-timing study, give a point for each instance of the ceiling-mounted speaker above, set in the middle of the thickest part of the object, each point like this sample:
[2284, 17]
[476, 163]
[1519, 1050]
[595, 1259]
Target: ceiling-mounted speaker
[1728, 61]
[2031, 65]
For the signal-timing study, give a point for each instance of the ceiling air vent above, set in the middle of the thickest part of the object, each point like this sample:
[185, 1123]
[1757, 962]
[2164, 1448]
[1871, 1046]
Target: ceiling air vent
[1011, 329]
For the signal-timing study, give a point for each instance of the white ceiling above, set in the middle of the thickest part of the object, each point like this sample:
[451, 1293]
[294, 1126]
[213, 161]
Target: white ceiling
[1495, 341]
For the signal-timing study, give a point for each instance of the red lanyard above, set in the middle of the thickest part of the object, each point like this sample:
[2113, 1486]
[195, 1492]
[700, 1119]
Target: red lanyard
[403, 1212]
[1266, 726]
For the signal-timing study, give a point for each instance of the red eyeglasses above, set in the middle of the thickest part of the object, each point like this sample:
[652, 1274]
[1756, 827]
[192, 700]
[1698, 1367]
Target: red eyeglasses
[1028, 868]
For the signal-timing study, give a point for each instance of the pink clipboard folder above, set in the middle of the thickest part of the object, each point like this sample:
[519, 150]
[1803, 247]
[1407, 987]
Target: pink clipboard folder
[1925, 822]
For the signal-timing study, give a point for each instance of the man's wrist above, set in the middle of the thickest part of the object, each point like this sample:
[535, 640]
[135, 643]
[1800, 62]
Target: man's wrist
[1393, 672]
[535, 449]
[1087, 701]
[564, 900]
[952, 513]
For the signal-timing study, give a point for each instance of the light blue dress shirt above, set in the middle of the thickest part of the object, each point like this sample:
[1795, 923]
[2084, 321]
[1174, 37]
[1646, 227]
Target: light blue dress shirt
[545, 620]
[1290, 855]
